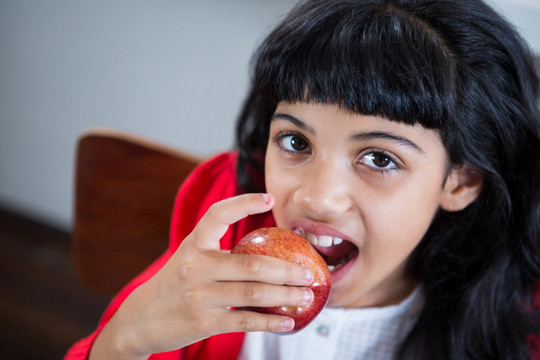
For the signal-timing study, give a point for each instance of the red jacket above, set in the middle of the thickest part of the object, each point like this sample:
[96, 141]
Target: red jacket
[210, 182]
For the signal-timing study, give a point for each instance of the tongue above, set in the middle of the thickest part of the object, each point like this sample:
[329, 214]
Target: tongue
[337, 251]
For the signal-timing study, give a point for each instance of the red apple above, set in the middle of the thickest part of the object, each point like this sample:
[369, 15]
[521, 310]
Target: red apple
[289, 246]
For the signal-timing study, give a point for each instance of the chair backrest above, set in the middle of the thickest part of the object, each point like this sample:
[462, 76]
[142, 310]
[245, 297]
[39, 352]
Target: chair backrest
[125, 188]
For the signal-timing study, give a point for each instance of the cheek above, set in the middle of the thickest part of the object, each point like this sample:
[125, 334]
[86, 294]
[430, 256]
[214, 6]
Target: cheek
[401, 220]
[392, 235]
[270, 177]
[277, 186]
[279, 179]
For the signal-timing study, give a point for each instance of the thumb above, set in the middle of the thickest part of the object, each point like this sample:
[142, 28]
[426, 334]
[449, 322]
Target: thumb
[214, 224]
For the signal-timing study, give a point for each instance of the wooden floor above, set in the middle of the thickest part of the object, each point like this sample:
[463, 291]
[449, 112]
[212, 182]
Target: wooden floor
[43, 309]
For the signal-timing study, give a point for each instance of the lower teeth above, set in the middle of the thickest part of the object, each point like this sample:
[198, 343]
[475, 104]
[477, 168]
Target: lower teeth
[342, 262]
[335, 267]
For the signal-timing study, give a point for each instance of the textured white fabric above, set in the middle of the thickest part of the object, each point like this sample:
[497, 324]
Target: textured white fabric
[368, 333]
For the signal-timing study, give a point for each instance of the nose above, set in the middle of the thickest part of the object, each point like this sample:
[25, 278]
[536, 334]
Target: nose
[324, 189]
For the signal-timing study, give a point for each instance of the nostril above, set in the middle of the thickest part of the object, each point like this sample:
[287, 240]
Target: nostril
[328, 201]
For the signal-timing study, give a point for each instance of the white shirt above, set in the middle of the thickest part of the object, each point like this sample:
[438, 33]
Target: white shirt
[365, 333]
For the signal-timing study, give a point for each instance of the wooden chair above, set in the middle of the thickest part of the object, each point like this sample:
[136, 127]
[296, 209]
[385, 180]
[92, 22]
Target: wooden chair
[125, 188]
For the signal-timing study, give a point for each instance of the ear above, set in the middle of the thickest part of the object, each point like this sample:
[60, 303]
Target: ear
[462, 187]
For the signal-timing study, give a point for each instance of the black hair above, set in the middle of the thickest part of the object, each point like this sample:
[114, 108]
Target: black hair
[455, 66]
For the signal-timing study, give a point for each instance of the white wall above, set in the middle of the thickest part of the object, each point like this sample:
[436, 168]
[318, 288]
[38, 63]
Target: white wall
[525, 14]
[175, 71]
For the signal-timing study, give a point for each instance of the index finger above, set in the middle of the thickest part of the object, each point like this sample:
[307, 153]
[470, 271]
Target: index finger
[258, 268]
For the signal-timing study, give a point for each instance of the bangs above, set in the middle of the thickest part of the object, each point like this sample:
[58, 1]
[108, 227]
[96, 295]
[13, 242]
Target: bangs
[395, 65]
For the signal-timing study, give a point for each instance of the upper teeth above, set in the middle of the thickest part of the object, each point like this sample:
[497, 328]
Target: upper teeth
[323, 240]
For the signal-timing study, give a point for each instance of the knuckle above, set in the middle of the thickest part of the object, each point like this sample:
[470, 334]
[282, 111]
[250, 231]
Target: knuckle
[192, 296]
[290, 296]
[247, 199]
[187, 269]
[290, 272]
[251, 264]
[213, 211]
[272, 325]
[195, 317]
[252, 292]
[247, 323]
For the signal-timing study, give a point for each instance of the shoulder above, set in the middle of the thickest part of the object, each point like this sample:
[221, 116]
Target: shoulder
[210, 182]
[213, 180]
[219, 167]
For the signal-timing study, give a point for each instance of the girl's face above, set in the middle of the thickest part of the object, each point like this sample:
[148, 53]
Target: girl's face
[362, 187]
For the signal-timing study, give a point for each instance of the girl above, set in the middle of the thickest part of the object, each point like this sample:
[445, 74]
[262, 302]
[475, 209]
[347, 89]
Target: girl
[408, 132]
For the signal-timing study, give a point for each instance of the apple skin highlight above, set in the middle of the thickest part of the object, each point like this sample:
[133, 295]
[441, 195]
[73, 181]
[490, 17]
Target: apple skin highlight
[289, 246]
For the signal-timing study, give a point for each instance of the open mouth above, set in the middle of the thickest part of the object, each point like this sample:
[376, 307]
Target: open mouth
[335, 251]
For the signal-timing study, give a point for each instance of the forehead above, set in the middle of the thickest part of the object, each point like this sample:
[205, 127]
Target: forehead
[364, 56]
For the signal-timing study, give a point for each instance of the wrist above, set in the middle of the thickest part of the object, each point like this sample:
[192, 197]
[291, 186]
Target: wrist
[115, 344]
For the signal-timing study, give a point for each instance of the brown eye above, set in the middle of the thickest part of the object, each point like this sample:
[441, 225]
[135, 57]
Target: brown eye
[294, 143]
[379, 161]
[298, 144]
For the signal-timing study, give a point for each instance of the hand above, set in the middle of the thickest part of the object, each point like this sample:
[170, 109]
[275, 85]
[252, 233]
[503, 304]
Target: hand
[190, 298]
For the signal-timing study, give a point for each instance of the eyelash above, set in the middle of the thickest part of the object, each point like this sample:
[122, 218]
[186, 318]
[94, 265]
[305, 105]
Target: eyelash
[387, 156]
[279, 138]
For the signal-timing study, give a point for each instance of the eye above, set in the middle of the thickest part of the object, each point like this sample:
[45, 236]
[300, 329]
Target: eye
[379, 160]
[293, 143]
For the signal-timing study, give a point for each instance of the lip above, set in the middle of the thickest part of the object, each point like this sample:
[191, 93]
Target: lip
[340, 273]
[318, 229]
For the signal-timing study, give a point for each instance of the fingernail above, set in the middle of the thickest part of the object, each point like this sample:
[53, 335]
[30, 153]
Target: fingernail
[288, 324]
[266, 198]
[308, 275]
[307, 296]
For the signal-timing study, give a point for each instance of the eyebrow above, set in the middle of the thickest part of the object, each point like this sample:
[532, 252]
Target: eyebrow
[372, 135]
[387, 136]
[299, 123]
